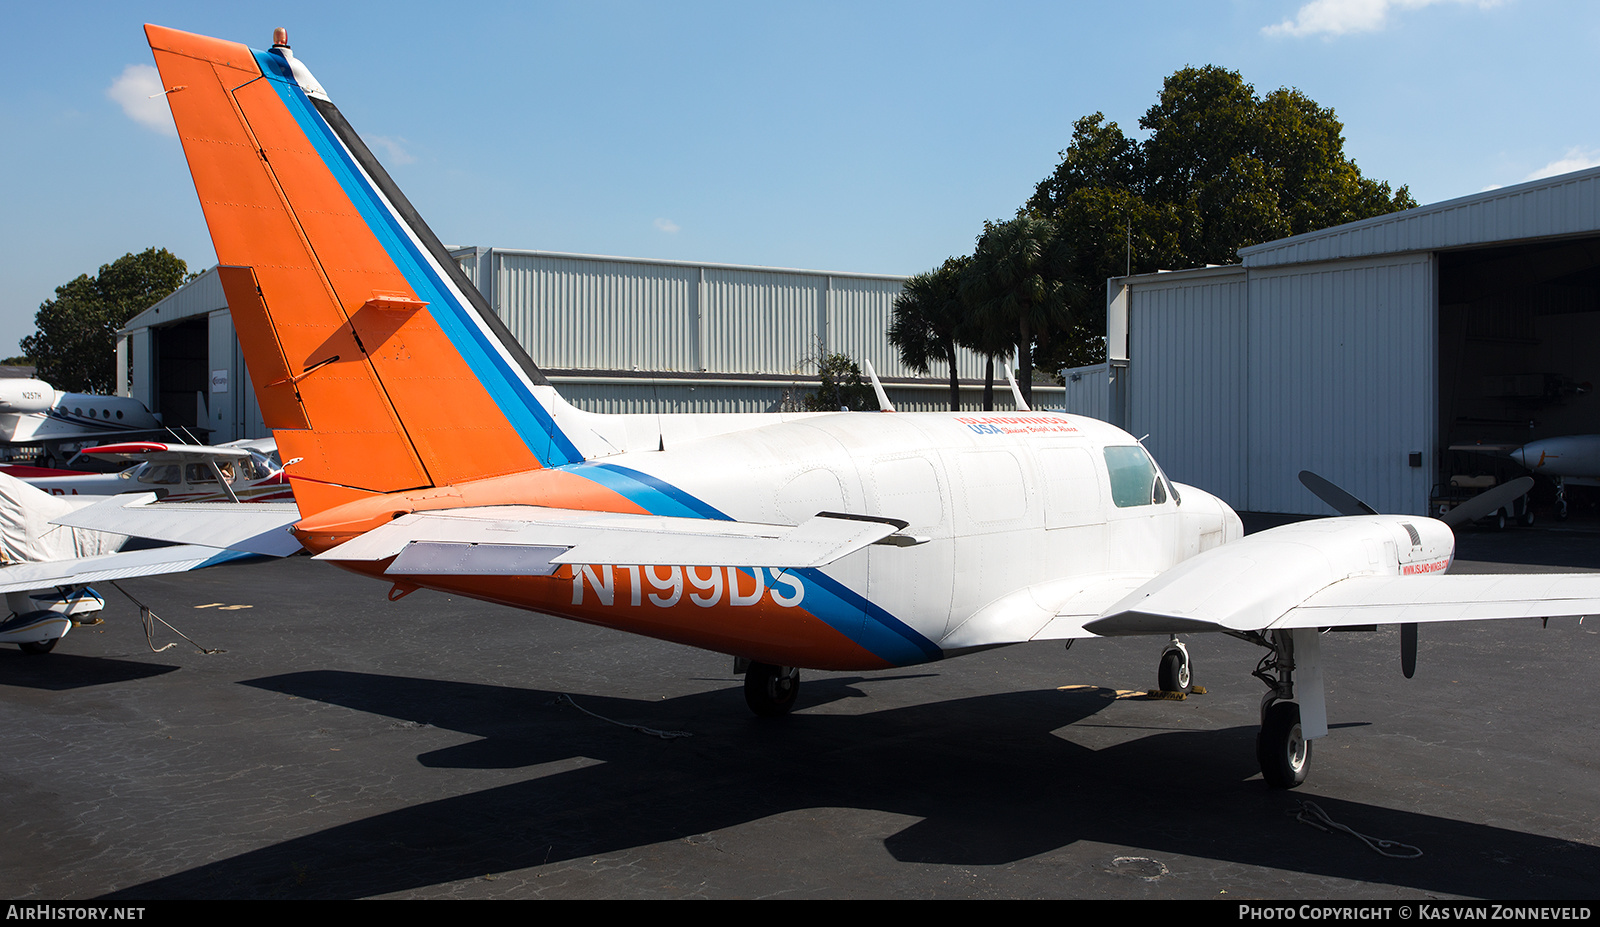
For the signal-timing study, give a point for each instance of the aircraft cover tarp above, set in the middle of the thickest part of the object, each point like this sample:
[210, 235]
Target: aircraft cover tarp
[26, 535]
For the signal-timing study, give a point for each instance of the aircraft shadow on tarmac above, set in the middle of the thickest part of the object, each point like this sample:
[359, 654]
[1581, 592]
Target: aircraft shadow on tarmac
[989, 781]
[60, 672]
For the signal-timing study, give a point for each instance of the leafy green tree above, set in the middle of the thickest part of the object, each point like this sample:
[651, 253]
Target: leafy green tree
[1220, 170]
[1020, 280]
[841, 387]
[927, 316]
[74, 348]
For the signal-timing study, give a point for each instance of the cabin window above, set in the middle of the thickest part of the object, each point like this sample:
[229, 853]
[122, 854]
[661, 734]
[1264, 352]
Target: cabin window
[1133, 477]
[161, 474]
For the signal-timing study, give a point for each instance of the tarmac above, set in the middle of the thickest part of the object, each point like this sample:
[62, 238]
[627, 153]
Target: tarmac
[343, 746]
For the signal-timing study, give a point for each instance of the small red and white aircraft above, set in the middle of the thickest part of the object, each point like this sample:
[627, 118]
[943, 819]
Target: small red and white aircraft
[239, 471]
[427, 450]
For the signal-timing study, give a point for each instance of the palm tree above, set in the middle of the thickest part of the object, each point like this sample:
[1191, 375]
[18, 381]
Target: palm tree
[927, 315]
[1020, 279]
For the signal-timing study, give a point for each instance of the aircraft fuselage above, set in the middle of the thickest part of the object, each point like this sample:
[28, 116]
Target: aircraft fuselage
[1004, 501]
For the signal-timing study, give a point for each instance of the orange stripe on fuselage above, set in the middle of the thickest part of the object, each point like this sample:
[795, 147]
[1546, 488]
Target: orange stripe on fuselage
[766, 631]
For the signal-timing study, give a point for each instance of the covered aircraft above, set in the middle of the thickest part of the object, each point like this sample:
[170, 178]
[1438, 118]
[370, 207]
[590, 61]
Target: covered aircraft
[46, 567]
[428, 451]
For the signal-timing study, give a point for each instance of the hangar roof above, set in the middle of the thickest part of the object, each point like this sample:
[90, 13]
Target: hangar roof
[1554, 207]
[200, 296]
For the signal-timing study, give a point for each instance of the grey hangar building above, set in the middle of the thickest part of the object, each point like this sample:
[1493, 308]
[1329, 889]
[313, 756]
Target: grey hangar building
[1374, 353]
[612, 334]
[1364, 352]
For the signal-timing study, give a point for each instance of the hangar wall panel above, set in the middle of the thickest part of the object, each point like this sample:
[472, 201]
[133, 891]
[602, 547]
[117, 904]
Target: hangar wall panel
[756, 323]
[1088, 391]
[1187, 374]
[612, 315]
[590, 312]
[1342, 378]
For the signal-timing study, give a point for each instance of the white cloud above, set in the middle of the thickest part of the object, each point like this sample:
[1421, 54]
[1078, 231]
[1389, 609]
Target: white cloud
[1576, 160]
[667, 225]
[1342, 17]
[396, 147]
[140, 94]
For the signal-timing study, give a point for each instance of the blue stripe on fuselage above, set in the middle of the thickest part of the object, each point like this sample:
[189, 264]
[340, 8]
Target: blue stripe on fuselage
[831, 601]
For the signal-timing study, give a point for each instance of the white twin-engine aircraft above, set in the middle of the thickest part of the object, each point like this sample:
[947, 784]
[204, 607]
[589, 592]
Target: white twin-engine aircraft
[427, 450]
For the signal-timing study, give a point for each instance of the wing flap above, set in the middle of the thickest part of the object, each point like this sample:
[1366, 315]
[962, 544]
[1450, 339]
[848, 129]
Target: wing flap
[1419, 599]
[533, 540]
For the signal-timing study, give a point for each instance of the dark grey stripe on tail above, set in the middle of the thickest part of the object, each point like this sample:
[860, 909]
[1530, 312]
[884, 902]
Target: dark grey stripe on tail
[408, 214]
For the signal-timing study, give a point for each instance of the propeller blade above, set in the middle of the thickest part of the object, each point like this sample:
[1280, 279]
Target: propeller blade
[1341, 501]
[1486, 503]
[1408, 649]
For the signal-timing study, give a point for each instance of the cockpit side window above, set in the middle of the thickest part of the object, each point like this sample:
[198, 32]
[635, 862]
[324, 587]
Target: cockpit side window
[1133, 477]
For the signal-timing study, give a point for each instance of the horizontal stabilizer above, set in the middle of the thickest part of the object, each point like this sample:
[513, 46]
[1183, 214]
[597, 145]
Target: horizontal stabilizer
[21, 577]
[250, 527]
[533, 540]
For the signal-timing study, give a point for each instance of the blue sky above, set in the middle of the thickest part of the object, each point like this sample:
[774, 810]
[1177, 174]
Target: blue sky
[866, 136]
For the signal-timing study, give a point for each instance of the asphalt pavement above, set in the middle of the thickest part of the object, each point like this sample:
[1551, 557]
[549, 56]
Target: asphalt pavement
[343, 746]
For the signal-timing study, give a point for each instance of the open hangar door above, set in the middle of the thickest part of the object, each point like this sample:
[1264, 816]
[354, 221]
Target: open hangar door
[181, 362]
[1517, 330]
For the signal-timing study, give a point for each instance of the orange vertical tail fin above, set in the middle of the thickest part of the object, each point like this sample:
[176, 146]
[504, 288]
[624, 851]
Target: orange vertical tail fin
[376, 363]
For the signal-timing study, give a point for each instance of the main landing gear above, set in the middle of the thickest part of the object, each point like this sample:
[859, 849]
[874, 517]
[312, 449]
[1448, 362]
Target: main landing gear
[769, 690]
[1283, 745]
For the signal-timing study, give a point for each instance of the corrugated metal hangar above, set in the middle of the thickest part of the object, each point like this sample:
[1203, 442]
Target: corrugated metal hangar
[1364, 352]
[612, 334]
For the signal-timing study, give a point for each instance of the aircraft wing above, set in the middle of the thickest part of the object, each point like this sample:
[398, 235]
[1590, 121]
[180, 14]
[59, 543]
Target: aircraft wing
[1054, 610]
[519, 540]
[249, 527]
[20, 577]
[1321, 575]
[163, 452]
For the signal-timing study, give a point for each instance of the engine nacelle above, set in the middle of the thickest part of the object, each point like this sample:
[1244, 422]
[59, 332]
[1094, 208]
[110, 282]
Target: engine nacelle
[1252, 582]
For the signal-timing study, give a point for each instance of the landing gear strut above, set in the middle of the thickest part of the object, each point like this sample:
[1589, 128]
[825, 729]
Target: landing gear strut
[770, 690]
[1283, 745]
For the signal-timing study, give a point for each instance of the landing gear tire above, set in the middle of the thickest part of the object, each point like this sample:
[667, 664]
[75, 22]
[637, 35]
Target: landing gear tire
[771, 691]
[39, 647]
[1281, 749]
[1175, 674]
